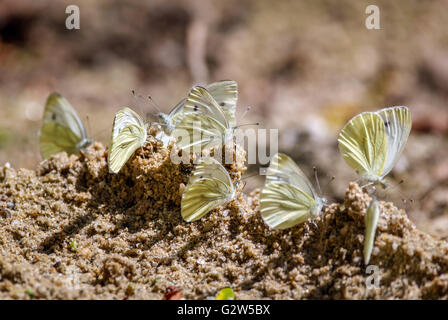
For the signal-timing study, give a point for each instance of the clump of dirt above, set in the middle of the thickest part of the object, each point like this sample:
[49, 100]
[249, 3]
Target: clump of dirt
[71, 230]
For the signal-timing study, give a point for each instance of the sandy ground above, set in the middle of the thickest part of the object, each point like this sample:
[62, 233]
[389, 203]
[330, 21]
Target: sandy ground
[68, 229]
[305, 68]
[71, 230]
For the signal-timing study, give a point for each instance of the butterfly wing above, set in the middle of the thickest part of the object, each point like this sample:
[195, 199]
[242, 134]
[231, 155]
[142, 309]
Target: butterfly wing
[226, 95]
[283, 169]
[128, 134]
[203, 123]
[287, 198]
[168, 121]
[371, 222]
[62, 130]
[209, 187]
[363, 144]
[199, 100]
[397, 122]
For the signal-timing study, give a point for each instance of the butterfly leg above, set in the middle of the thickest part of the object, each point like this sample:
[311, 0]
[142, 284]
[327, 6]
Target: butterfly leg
[366, 188]
[143, 153]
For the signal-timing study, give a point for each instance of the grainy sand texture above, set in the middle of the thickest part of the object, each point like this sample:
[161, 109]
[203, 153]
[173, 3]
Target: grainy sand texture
[71, 230]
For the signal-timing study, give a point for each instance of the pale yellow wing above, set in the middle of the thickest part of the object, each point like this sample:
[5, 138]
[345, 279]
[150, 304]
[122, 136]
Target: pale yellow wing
[209, 187]
[371, 222]
[363, 144]
[283, 169]
[203, 124]
[62, 130]
[287, 199]
[128, 134]
[226, 95]
[397, 122]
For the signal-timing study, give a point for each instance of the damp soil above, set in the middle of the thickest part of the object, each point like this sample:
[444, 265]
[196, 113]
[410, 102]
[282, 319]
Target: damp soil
[71, 230]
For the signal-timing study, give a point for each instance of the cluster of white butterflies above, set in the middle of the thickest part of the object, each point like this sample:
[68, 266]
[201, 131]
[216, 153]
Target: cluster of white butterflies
[371, 144]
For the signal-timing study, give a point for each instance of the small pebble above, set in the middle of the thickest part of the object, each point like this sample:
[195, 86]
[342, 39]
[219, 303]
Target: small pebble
[5, 213]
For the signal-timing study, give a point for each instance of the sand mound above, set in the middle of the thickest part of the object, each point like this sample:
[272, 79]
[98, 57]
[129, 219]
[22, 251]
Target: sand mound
[71, 230]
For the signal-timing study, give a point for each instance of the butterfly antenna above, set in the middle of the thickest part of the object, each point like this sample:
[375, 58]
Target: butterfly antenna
[88, 123]
[136, 98]
[405, 199]
[154, 104]
[317, 180]
[246, 124]
[245, 112]
[400, 182]
[95, 136]
[331, 180]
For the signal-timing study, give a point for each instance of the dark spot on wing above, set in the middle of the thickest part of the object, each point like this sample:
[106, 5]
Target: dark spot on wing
[185, 170]
[195, 108]
[222, 104]
[53, 116]
[387, 124]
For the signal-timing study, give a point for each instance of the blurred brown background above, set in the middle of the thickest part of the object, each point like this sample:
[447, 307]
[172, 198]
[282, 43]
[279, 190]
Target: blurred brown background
[305, 67]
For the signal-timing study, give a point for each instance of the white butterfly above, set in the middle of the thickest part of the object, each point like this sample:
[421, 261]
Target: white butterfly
[62, 130]
[209, 187]
[288, 198]
[372, 142]
[225, 93]
[128, 134]
[203, 125]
